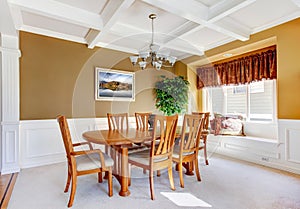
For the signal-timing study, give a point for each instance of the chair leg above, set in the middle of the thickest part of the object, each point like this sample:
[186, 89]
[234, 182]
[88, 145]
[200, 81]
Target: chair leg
[205, 154]
[110, 186]
[106, 149]
[69, 179]
[171, 177]
[180, 174]
[73, 189]
[197, 169]
[100, 179]
[151, 184]
[158, 173]
[177, 167]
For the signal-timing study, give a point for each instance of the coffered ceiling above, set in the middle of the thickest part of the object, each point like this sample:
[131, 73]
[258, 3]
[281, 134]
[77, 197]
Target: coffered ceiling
[182, 27]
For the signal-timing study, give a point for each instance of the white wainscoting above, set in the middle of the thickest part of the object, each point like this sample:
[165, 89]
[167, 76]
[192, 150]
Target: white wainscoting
[41, 143]
[282, 153]
[10, 148]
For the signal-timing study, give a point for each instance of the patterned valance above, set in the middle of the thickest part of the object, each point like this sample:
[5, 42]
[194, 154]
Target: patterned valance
[245, 69]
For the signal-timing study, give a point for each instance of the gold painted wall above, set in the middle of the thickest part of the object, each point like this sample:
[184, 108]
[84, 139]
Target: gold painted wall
[57, 77]
[288, 68]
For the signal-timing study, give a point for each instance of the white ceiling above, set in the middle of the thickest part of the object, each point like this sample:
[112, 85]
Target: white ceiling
[182, 27]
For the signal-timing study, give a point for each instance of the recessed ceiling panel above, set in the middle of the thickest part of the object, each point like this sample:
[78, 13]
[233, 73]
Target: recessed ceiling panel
[132, 42]
[264, 12]
[209, 3]
[185, 46]
[138, 16]
[95, 6]
[205, 37]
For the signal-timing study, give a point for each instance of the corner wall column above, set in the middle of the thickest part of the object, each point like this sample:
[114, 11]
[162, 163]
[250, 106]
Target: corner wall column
[9, 103]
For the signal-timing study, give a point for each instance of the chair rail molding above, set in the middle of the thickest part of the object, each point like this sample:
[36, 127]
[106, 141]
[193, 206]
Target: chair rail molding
[10, 100]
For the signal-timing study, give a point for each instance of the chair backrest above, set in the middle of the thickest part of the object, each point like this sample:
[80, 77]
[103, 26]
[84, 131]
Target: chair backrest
[191, 132]
[141, 120]
[206, 118]
[164, 130]
[65, 133]
[117, 121]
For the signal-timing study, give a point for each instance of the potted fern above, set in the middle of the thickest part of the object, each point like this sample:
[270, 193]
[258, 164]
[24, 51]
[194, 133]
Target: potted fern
[171, 95]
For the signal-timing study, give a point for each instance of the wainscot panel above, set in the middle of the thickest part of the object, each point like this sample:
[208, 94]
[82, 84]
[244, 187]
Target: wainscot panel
[41, 143]
[281, 153]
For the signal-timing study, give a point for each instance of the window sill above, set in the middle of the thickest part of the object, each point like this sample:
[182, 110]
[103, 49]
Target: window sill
[250, 138]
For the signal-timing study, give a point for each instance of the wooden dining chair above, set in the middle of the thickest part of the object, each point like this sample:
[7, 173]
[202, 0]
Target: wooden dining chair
[204, 134]
[117, 121]
[142, 120]
[84, 161]
[159, 156]
[186, 151]
[142, 123]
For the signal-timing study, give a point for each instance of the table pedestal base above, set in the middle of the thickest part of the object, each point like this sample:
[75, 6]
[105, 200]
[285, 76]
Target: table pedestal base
[188, 168]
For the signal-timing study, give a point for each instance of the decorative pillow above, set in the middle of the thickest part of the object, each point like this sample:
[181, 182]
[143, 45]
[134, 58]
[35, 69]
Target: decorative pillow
[227, 125]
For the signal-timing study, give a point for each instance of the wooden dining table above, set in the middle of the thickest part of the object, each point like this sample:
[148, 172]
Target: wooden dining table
[121, 141]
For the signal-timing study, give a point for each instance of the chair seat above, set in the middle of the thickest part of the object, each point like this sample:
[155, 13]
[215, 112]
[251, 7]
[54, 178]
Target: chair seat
[143, 157]
[92, 161]
[176, 152]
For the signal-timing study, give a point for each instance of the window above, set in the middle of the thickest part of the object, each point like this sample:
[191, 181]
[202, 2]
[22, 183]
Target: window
[255, 101]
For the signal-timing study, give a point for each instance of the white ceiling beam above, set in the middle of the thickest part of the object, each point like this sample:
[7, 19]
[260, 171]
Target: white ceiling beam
[192, 51]
[117, 47]
[232, 28]
[218, 43]
[60, 11]
[225, 8]
[188, 9]
[7, 25]
[54, 34]
[196, 12]
[110, 15]
[17, 16]
[182, 30]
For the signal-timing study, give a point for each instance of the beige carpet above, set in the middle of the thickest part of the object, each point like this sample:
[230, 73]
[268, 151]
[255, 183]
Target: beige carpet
[226, 184]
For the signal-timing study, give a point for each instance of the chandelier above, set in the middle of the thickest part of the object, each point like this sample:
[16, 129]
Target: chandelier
[152, 56]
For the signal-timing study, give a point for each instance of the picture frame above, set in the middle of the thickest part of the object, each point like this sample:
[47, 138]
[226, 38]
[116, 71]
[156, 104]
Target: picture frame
[114, 85]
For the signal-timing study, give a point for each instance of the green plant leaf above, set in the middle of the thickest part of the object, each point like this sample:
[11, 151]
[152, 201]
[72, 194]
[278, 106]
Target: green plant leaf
[171, 95]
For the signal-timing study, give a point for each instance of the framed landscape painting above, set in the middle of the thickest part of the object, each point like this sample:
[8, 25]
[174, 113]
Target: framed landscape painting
[113, 85]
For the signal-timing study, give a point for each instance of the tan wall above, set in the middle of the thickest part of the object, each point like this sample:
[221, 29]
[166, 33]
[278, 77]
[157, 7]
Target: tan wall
[287, 38]
[181, 69]
[57, 77]
[194, 95]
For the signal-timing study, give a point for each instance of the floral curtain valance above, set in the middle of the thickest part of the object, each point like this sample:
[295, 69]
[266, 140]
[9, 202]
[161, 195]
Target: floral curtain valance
[253, 67]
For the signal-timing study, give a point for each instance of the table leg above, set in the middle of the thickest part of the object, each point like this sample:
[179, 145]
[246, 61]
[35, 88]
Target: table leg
[124, 172]
[189, 168]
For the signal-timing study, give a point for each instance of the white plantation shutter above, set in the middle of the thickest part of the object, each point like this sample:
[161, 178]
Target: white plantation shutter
[261, 100]
[216, 99]
[254, 101]
[237, 100]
